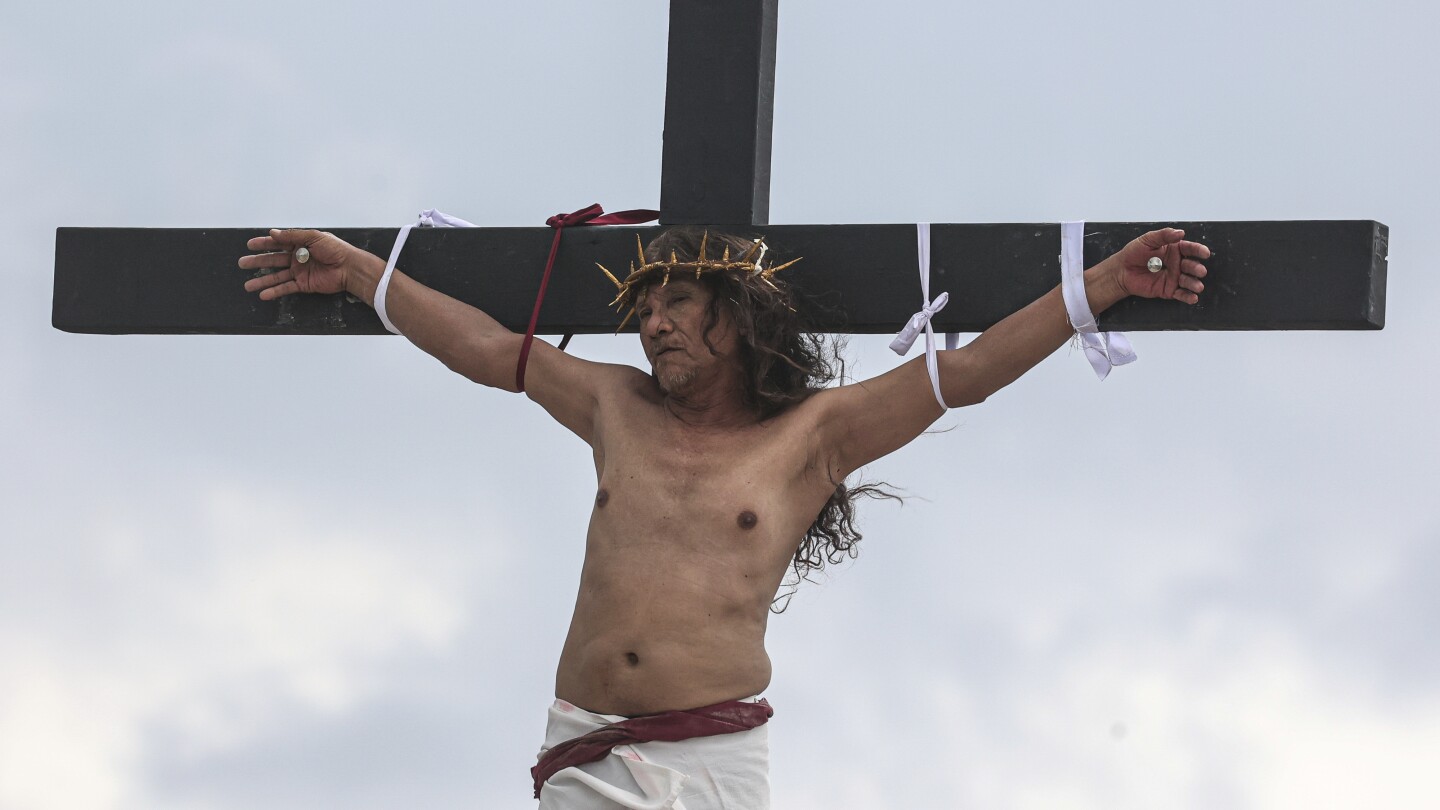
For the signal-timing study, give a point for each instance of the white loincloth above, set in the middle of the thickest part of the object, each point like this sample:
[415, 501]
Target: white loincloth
[721, 772]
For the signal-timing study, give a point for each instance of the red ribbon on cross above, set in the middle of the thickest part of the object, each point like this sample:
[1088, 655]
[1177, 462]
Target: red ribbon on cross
[590, 215]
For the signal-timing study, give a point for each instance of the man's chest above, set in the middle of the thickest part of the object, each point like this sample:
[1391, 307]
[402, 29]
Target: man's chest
[751, 484]
[774, 456]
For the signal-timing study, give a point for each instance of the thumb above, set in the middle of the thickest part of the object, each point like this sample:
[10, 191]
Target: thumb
[293, 237]
[1155, 240]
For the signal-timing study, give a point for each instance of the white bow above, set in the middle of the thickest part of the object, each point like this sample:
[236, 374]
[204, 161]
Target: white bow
[430, 218]
[918, 322]
[1104, 350]
[921, 320]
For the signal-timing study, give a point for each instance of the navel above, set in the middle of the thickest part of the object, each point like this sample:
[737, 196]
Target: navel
[747, 519]
[632, 658]
[602, 497]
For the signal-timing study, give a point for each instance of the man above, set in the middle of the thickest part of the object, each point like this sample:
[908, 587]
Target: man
[716, 472]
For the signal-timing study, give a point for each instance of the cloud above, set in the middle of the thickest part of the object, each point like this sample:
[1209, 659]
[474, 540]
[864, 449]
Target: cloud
[218, 623]
[1229, 713]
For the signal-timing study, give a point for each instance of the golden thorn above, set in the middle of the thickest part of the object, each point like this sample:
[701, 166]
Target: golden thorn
[608, 274]
[777, 268]
[749, 256]
[621, 296]
[640, 249]
[705, 237]
[726, 257]
[665, 280]
[628, 315]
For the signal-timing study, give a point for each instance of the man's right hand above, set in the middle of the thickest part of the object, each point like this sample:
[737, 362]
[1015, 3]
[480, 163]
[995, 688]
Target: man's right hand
[334, 265]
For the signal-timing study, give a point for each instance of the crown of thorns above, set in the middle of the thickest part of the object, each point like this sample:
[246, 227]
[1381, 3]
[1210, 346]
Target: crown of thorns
[751, 265]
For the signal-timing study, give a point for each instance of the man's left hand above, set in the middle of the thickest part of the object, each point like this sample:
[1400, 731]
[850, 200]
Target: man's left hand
[1181, 275]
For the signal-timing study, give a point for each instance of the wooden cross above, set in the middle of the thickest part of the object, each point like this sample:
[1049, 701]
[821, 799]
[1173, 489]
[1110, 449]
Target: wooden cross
[716, 171]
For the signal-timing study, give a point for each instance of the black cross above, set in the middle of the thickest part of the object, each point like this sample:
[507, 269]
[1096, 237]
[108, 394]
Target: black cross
[716, 172]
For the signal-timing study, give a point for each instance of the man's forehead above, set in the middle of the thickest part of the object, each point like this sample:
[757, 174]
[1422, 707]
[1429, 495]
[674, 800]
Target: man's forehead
[676, 285]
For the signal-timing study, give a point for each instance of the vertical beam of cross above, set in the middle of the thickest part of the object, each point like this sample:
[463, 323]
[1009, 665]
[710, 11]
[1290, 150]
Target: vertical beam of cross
[719, 104]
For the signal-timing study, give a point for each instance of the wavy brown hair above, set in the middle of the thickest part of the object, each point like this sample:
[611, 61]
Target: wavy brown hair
[785, 362]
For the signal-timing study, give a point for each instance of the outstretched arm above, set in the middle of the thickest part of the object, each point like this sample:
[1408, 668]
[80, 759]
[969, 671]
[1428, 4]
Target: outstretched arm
[465, 339]
[874, 418]
[1015, 345]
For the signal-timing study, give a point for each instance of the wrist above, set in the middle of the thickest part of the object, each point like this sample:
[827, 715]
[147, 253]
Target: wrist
[362, 277]
[1103, 286]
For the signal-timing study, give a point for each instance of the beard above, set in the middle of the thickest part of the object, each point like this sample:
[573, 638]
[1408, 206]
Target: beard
[676, 381]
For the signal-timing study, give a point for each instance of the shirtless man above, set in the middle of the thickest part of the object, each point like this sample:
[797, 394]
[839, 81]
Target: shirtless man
[704, 492]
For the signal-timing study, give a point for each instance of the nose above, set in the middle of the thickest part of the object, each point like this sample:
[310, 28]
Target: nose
[657, 324]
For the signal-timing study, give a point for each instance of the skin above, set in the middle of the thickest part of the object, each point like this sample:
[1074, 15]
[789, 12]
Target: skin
[699, 504]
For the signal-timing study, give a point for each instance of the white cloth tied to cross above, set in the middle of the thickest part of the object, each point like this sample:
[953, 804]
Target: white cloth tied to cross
[920, 321]
[429, 218]
[1104, 350]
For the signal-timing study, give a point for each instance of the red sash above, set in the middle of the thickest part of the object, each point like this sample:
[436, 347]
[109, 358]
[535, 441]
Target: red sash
[706, 721]
[592, 215]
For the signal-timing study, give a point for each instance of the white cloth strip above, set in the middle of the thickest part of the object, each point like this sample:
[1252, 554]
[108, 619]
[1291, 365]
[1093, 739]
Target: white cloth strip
[920, 321]
[704, 773]
[429, 218]
[384, 284]
[1104, 350]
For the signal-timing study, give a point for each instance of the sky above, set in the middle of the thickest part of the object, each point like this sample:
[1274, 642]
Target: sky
[310, 572]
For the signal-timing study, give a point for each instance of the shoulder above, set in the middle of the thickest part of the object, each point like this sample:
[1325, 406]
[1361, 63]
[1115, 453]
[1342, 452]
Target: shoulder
[858, 423]
[578, 392]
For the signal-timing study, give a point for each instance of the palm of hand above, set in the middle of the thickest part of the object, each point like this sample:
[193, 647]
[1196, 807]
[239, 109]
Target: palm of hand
[323, 273]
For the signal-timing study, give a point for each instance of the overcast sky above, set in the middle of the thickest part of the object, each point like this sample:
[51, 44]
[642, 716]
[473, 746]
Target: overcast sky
[321, 572]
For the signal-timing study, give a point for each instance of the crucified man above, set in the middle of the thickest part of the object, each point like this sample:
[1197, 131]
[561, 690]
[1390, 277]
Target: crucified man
[717, 471]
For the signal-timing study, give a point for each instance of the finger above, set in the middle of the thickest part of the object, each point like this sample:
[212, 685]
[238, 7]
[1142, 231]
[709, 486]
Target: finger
[262, 243]
[1190, 267]
[270, 280]
[288, 288]
[1194, 250]
[1157, 240]
[291, 238]
[1181, 295]
[263, 260]
[1192, 284]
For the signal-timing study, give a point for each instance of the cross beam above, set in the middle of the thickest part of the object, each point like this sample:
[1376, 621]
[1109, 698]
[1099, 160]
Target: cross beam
[1264, 275]
[719, 96]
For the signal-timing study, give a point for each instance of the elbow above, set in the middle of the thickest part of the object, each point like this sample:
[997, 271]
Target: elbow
[966, 381]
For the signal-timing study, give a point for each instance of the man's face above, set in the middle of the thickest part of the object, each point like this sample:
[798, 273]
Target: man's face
[672, 332]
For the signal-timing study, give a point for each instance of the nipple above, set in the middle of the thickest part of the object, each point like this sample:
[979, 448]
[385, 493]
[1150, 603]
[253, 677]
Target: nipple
[747, 519]
[602, 497]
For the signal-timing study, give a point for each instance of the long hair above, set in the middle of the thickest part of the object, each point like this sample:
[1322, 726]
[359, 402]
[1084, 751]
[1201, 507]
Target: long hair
[785, 362]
